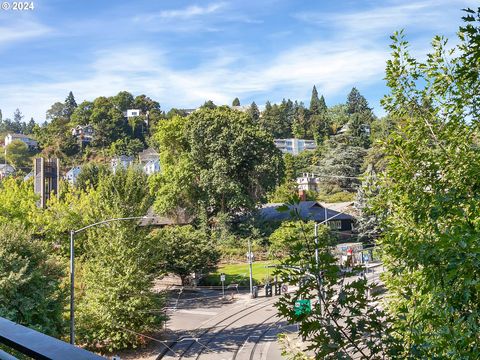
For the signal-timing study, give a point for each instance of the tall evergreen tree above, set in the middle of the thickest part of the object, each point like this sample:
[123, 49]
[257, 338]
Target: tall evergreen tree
[315, 106]
[254, 112]
[236, 102]
[356, 103]
[70, 105]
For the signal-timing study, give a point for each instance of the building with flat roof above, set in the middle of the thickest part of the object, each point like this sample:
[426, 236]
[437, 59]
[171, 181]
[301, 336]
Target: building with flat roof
[294, 146]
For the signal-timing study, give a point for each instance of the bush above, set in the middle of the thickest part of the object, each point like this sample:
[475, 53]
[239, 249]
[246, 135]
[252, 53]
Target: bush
[30, 291]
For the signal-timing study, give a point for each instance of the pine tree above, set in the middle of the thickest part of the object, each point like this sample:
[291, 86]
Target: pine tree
[356, 103]
[315, 106]
[70, 105]
[236, 102]
[254, 112]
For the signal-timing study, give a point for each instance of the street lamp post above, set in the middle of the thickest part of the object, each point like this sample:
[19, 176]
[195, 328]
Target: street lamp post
[72, 266]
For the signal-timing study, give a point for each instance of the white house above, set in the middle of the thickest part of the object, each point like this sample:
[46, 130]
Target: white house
[32, 144]
[295, 146]
[122, 161]
[72, 175]
[132, 113]
[152, 167]
[308, 182]
[6, 170]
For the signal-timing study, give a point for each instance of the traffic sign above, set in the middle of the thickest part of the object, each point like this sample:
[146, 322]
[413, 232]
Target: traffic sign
[303, 306]
[222, 277]
[284, 288]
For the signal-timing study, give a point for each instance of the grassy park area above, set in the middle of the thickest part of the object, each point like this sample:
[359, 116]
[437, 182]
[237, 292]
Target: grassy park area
[239, 273]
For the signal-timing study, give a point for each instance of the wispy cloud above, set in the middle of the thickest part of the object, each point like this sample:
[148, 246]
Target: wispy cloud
[183, 14]
[21, 30]
[333, 67]
[391, 16]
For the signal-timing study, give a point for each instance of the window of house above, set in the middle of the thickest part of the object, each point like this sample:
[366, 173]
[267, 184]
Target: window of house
[335, 224]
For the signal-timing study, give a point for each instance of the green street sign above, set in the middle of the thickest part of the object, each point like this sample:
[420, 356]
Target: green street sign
[302, 307]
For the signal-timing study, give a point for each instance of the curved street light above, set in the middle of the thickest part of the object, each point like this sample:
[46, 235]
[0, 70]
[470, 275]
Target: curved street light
[72, 265]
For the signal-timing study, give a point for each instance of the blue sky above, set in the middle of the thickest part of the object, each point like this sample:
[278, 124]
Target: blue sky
[182, 53]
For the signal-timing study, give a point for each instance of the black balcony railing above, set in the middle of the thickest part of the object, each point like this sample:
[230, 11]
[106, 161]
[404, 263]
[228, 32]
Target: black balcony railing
[37, 345]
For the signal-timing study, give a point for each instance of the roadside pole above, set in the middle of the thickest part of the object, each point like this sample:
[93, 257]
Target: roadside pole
[250, 260]
[222, 279]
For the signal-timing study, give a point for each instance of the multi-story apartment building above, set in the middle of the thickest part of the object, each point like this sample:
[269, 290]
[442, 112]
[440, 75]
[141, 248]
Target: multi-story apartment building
[295, 146]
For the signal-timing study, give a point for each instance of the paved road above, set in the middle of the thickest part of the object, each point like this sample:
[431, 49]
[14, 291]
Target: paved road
[209, 328]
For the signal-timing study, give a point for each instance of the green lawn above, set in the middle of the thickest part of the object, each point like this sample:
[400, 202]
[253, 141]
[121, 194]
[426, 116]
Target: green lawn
[239, 273]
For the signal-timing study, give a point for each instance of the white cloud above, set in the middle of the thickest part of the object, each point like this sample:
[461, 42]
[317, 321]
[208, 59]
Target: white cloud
[333, 67]
[11, 32]
[183, 14]
[393, 15]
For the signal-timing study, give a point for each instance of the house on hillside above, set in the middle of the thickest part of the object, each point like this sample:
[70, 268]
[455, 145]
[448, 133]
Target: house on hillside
[151, 167]
[121, 161]
[242, 108]
[148, 155]
[132, 113]
[336, 217]
[308, 182]
[294, 146]
[84, 133]
[32, 144]
[72, 175]
[6, 170]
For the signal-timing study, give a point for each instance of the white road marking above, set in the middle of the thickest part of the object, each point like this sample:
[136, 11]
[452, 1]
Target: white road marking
[197, 312]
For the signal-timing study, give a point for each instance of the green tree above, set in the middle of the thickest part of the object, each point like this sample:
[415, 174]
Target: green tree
[209, 105]
[183, 250]
[124, 101]
[144, 104]
[70, 105]
[56, 112]
[82, 113]
[315, 105]
[254, 112]
[30, 278]
[301, 126]
[274, 120]
[429, 193]
[236, 102]
[117, 263]
[216, 159]
[341, 322]
[90, 175]
[341, 162]
[356, 102]
[18, 155]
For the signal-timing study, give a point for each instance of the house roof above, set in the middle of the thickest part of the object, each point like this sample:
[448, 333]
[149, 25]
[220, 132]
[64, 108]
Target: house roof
[154, 219]
[20, 136]
[6, 167]
[148, 154]
[308, 210]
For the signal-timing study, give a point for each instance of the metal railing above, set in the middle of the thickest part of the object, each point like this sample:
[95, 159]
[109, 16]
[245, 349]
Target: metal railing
[37, 345]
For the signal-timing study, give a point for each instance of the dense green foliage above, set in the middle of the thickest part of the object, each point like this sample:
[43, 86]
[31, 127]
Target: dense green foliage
[30, 282]
[429, 195]
[342, 322]
[216, 160]
[183, 250]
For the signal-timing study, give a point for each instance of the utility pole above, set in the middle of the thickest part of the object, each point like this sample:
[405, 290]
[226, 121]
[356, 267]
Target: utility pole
[317, 270]
[250, 260]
